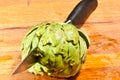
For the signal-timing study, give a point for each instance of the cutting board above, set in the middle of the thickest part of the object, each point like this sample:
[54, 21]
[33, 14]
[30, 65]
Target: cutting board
[103, 28]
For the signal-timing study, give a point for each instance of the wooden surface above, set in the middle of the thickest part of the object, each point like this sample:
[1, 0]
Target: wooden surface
[103, 27]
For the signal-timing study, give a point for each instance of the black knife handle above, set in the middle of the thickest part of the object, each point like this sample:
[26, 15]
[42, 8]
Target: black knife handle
[81, 12]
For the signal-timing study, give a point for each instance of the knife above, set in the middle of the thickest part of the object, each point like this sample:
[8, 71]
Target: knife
[77, 17]
[26, 63]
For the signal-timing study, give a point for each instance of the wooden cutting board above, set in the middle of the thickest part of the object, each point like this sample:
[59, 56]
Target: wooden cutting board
[103, 27]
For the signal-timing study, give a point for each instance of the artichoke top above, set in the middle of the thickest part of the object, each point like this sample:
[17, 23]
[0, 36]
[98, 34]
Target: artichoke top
[60, 49]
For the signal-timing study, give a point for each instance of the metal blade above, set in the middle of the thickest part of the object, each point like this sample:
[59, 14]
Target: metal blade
[29, 60]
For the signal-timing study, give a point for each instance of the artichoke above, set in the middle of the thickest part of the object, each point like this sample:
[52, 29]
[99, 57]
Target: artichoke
[60, 49]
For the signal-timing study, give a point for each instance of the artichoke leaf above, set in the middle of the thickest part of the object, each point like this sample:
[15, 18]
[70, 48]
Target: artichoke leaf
[83, 49]
[73, 54]
[71, 33]
[35, 42]
[85, 37]
[41, 29]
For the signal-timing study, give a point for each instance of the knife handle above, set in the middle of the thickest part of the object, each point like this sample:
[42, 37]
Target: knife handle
[81, 12]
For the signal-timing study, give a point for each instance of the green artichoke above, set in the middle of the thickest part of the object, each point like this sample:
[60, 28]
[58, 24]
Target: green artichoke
[60, 49]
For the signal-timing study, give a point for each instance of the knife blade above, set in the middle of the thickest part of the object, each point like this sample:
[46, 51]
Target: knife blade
[26, 63]
[77, 17]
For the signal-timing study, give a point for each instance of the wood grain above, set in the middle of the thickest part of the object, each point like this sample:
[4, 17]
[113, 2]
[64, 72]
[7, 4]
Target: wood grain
[17, 17]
